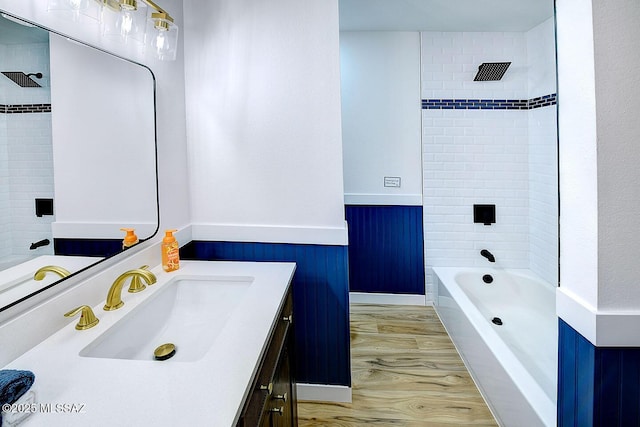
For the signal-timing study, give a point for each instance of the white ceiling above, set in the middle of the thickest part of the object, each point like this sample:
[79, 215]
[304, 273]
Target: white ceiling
[443, 15]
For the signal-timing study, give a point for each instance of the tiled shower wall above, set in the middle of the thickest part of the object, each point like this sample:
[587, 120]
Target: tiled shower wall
[26, 166]
[477, 149]
[543, 155]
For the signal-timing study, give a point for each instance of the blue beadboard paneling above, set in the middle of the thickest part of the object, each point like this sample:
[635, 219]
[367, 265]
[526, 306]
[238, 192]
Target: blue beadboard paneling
[320, 301]
[386, 249]
[597, 386]
[87, 247]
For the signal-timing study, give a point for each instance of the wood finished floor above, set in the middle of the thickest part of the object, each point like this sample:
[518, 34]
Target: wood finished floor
[405, 372]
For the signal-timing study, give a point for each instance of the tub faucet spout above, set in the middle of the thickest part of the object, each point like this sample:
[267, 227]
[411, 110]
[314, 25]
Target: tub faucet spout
[488, 255]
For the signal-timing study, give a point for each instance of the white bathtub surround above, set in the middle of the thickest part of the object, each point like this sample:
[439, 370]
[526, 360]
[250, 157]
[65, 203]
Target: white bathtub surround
[163, 389]
[501, 157]
[514, 365]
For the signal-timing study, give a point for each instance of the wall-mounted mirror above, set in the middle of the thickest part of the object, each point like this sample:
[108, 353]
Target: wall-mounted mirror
[77, 156]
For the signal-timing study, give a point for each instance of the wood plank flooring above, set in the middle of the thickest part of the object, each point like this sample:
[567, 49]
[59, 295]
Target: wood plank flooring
[405, 372]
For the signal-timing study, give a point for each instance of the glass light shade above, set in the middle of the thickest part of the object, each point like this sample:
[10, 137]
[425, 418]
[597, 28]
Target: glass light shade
[126, 24]
[161, 38]
[77, 10]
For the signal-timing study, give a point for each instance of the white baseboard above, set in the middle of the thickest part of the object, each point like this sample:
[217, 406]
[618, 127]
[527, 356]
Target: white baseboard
[602, 328]
[100, 230]
[393, 299]
[324, 393]
[383, 199]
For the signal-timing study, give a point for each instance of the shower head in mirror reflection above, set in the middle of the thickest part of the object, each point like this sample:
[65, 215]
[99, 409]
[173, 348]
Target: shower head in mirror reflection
[22, 79]
[132, 21]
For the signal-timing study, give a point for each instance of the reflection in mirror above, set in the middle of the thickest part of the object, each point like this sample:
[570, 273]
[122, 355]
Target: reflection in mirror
[77, 157]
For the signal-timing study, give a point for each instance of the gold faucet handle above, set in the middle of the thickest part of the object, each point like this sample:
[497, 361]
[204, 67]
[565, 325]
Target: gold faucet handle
[87, 318]
[136, 283]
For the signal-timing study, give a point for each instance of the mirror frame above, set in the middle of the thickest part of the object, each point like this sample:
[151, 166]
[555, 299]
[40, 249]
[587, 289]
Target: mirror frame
[155, 143]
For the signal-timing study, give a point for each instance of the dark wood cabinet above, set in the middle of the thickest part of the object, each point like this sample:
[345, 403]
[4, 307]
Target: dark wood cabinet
[272, 399]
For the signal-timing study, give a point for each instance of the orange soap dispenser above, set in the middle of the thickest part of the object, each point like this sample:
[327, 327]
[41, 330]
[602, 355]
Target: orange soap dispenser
[170, 252]
[130, 238]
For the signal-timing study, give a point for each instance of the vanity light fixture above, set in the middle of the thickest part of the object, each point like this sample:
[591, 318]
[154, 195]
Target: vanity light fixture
[77, 10]
[125, 19]
[130, 20]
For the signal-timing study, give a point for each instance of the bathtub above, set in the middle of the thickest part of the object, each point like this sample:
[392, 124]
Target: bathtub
[514, 364]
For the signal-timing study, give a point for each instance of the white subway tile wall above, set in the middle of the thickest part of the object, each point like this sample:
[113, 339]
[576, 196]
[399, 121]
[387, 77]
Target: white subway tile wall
[478, 156]
[543, 157]
[26, 159]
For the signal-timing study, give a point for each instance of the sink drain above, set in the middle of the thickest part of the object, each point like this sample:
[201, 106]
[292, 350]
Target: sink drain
[487, 278]
[497, 321]
[164, 352]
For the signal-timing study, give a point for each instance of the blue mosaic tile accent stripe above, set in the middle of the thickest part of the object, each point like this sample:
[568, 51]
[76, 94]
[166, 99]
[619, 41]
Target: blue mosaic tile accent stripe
[489, 104]
[25, 108]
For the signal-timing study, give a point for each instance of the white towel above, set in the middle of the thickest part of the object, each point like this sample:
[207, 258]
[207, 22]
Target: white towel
[11, 419]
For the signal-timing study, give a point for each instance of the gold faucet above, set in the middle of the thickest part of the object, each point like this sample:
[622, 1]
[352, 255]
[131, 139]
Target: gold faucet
[114, 297]
[62, 272]
[87, 318]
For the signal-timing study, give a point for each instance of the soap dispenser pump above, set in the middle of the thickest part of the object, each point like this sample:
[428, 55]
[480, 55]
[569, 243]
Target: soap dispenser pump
[130, 238]
[170, 252]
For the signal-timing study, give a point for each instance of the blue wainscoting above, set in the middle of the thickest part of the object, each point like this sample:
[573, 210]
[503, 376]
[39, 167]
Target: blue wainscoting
[87, 247]
[386, 250]
[320, 301]
[597, 386]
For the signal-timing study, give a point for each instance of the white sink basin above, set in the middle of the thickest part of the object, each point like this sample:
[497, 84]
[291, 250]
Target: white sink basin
[188, 312]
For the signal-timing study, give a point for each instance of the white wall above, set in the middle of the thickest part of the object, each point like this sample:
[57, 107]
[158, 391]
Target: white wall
[578, 152]
[598, 104]
[450, 62]
[103, 143]
[263, 110]
[541, 59]
[616, 32]
[380, 81]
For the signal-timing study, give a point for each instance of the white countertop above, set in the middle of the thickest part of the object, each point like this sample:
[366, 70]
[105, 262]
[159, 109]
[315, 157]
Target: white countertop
[209, 391]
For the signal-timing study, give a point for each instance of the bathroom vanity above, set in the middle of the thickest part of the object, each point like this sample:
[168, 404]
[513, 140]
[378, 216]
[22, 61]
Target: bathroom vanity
[272, 399]
[232, 325]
